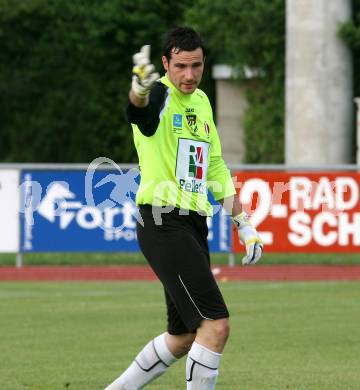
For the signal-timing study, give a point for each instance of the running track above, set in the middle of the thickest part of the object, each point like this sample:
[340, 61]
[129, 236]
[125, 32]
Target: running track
[225, 273]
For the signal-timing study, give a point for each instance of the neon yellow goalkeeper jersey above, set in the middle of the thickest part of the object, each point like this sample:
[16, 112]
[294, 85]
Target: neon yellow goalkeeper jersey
[179, 150]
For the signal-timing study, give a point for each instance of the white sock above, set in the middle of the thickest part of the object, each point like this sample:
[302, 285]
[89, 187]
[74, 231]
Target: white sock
[149, 364]
[202, 368]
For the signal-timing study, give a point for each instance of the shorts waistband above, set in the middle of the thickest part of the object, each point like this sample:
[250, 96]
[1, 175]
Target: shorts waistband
[172, 210]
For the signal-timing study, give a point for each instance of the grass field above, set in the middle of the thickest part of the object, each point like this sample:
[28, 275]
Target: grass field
[81, 335]
[137, 258]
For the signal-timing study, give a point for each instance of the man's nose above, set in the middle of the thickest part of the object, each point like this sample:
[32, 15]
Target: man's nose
[189, 74]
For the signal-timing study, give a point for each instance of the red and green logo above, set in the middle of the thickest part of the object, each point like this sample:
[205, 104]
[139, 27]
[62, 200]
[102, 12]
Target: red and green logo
[196, 162]
[207, 129]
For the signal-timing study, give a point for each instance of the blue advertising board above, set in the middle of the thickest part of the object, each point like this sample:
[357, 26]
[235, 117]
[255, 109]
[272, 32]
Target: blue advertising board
[70, 211]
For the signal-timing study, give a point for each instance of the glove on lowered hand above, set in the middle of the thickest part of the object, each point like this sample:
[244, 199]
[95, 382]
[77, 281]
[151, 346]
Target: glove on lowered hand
[250, 238]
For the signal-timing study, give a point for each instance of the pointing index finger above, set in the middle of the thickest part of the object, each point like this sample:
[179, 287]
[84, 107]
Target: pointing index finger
[145, 50]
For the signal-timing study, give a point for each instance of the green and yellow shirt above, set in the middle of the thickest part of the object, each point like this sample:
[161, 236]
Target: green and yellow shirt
[179, 150]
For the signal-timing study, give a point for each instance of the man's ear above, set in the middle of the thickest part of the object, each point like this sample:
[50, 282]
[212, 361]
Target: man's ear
[165, 63]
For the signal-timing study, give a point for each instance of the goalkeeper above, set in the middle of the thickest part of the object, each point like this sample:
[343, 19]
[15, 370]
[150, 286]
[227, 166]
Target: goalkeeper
[180, 158]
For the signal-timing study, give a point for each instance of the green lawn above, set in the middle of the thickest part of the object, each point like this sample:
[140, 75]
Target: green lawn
[81, 335]
[137, 258]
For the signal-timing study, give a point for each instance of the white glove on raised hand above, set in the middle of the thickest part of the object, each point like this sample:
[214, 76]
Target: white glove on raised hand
[144, 75]
[250, 238]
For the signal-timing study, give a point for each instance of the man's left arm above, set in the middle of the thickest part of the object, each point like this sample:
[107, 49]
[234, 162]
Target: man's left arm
[222, 187]
[248, 235]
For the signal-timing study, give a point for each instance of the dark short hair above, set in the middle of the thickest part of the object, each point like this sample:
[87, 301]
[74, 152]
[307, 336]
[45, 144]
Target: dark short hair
[182, 38]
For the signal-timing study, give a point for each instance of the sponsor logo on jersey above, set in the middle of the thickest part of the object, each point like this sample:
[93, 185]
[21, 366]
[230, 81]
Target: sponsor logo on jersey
[196, 162]
[192, 186]
[192, 165]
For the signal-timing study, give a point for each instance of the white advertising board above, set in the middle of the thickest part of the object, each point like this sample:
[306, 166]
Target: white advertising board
[9, 211]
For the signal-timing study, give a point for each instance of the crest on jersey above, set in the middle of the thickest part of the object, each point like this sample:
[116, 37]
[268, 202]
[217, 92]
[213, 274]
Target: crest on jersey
[207, 129]
[191, 121]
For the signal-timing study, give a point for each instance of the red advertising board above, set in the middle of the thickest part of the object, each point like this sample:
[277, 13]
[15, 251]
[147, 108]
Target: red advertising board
[302, 211]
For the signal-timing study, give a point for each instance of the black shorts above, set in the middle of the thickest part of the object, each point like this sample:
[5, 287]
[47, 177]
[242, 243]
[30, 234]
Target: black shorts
[178, 252]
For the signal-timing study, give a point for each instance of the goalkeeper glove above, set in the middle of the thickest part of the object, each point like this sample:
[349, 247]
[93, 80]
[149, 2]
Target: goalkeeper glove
[144, 75]
[250, 238]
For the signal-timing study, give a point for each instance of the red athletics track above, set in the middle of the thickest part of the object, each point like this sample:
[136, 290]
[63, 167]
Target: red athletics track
[225, 273]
